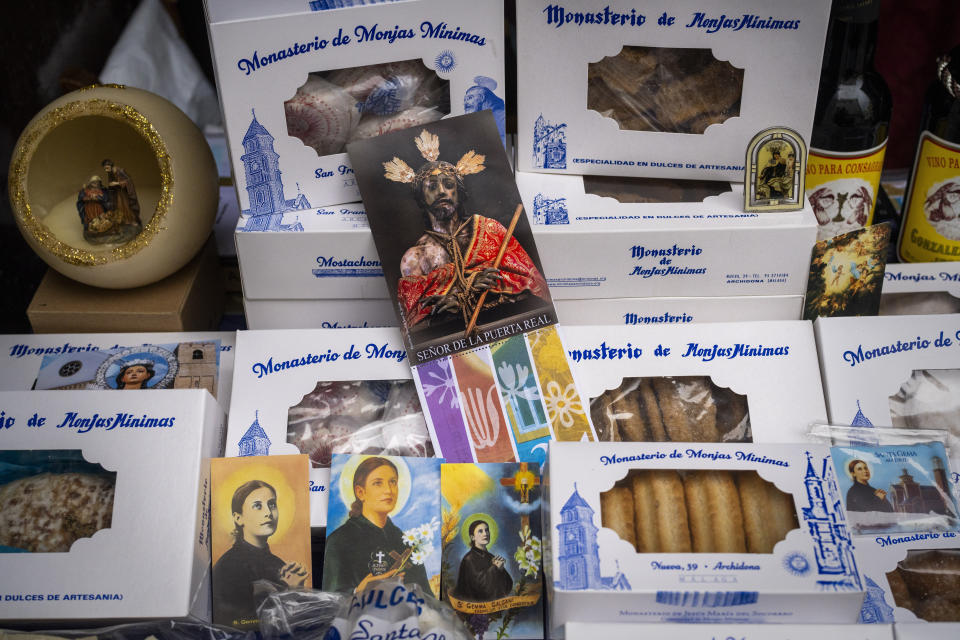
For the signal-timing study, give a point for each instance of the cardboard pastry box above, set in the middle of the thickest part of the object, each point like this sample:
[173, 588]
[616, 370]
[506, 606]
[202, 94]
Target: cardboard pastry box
[321, 392]
[711, 533]
[297, 86]
[600, 238]
[22, 356]
[743, 382]
[667, 89]
[105, 505]
[920, 288]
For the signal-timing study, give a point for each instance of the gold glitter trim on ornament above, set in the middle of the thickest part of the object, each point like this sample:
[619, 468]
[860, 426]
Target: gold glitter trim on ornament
[98, 86]
[27, 146]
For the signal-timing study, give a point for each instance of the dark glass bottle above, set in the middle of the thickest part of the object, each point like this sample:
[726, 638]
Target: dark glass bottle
[851, 122]
[930, 227]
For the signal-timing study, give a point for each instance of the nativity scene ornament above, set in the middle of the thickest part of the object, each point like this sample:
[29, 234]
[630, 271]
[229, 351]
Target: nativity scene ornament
[108, 207]
[462, 264]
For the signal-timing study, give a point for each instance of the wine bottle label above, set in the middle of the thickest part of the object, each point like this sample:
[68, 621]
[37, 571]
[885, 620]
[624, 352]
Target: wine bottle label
[930, 230]
[842, 188]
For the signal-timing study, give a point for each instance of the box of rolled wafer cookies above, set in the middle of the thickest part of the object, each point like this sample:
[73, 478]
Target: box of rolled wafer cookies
[717, 382]
[104, 505]
[665, 88]
[684, 532]
[295, 87]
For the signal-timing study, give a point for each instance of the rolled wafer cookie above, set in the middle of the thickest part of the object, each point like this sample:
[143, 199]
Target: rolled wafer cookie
[755, 504]
[616, 512]
[898, 588]
[656, 432]
[321, 115]
[731, 414]
[672, 411]
[696, 396]
[645, 515]
[373, 125]
[626, 410]
[603, 420]
[671, 511]
[713, 510]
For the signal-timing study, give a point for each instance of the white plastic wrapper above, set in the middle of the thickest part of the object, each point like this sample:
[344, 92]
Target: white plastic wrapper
[151, 55]
[671, 409]
[359, 417]
[391, 609]
[335, 107]
[930, 398]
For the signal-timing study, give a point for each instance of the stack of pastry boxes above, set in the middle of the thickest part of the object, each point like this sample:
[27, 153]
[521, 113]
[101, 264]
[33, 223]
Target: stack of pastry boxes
[296, 86]
[902, 373]
[697, 504]
[651, 93]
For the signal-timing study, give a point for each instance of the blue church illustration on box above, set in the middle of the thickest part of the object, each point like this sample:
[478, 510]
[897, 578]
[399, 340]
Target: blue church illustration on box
[549, 144]
[823, 517]
[579, 554]
[550, 211]
[261, 170]
[255, 441]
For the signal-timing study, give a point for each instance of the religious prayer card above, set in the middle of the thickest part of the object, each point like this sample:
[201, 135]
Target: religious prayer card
[896, 488]
[260, 532]
[846, 274]
[182, 365]
[468, 288]
[492, 574]
[383, 521]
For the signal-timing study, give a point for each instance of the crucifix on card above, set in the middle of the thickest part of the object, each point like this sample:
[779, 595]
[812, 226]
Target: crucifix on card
[522, 482]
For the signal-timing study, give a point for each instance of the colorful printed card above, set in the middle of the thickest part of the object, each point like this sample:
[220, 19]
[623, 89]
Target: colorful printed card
[383, 521]
[260, 532]
[184, 365]
[469, 290]
[846, 274]
[491, 547]
[896, 488]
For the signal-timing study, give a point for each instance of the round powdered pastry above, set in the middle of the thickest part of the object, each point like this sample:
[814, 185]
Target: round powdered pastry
[373, 125]
[321, 115]
[47, 513]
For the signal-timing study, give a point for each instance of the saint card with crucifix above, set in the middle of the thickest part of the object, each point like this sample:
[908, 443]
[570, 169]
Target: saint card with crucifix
[491, 572]
[454, 241]
[383, 521]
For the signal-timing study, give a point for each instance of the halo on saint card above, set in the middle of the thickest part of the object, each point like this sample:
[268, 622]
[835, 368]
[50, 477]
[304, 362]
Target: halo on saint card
[485, 517]
[403, 480]
[161, 364]
[775, 169]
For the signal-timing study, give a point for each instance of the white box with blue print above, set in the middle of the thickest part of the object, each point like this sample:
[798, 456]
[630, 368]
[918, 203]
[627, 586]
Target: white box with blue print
[295, 87]
[105, 505]
[669, 88]
[616, 238]
[802, 571]
[324, 391]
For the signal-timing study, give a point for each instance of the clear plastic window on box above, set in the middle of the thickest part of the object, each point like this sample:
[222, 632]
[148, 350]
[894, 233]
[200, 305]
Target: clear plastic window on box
[333, 108]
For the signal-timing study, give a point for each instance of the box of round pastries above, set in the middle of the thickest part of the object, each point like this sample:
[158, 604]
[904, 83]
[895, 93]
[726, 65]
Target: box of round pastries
[104, 504]
[696, 532]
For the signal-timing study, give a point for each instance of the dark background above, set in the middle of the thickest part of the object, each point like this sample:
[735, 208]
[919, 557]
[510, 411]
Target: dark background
[50, 47]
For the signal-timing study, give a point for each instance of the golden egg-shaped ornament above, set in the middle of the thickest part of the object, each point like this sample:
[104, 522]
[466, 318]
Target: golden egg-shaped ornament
[113, 186]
